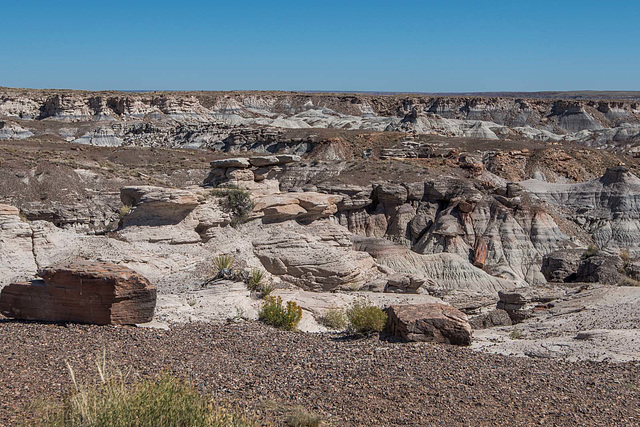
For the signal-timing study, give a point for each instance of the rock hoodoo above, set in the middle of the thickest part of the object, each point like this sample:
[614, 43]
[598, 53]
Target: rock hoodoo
[84, 292]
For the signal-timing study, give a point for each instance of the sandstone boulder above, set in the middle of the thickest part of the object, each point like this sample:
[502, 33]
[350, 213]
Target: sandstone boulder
[306, 206]
[284, 159]
[85, 292]
[239, 162]
[600, 268]
[407, 283]
[562, 265]
[156, 205]
[494, 318]
[264, 161]
[316, 257]
[239, 174]
[429, 322]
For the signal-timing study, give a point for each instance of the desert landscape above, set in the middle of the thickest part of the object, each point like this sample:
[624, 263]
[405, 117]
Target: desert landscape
[326, 258]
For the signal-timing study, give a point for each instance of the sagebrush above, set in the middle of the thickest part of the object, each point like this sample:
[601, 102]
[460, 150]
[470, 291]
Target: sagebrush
[366, 318]
[281, 316]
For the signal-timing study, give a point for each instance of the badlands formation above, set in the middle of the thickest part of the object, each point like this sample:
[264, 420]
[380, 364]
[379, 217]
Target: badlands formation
[486, 204]
[515, 221]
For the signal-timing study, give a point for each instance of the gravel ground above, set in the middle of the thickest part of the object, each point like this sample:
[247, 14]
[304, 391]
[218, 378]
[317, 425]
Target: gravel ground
[345, 381]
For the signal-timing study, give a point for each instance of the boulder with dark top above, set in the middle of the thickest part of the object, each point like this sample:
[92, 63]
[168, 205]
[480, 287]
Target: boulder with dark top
[429, 322]
[600, 268]
[259, 161]
[83, 292]
[562, 265]
[489, 320]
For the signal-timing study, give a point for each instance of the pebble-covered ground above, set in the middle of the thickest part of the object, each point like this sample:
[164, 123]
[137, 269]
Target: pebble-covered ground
[345, 381]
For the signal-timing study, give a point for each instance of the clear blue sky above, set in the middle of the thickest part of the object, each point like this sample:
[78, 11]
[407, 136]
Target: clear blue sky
[416, 46]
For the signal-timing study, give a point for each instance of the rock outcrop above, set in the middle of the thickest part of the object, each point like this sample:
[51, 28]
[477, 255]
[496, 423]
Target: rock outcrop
[84, 292]
[444, 272]
[608, 208]
[17, 261]
[156, 205]
[562, 265]
[317, 257]
[600, 268]
[253, 120]
[429, 322]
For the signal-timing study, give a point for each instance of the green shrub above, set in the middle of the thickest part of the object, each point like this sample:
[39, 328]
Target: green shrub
[237, 201]
[366, 318]
[591, 251]
[163, 401]
[224, 262]
[516, 334]
[124, 211]
[334, 319]
[283, 317]
[254, 281]
[625, 256]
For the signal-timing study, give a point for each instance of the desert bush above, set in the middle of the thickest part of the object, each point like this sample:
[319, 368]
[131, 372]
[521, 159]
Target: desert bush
[366, 318]
[299, 417]
[124, 211]
[516, 334]
[237, 201]
[628, 281]
[334, 319]
[276, 314]
[591, 251]
[625, 256]
[163, 401]
[255, 283]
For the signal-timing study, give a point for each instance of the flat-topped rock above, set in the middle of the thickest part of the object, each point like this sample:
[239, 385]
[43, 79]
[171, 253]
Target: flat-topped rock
[236, 162]
[156, 205]
[283, 159]
[264, 161]
[429, 322]
[84, 292]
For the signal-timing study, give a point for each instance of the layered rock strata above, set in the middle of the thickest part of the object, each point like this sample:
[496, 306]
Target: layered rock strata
[83, 292]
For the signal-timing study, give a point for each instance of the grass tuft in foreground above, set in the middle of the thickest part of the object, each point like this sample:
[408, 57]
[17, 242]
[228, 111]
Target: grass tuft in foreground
[163, 401]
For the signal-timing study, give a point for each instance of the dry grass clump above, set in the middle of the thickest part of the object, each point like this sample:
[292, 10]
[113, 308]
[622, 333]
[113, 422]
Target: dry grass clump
[163, 401]
[334, 319]
[299, 417]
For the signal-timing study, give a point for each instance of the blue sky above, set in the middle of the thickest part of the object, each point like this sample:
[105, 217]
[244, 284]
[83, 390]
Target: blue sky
[419, 46]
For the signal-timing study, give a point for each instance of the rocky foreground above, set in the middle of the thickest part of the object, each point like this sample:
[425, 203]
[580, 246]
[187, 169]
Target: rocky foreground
[345, 381]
